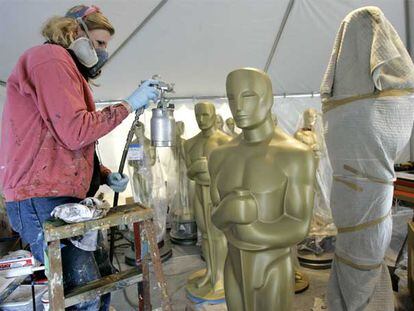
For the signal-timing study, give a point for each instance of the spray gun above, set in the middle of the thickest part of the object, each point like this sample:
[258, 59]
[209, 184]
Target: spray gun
[162, 121]
[162, 133]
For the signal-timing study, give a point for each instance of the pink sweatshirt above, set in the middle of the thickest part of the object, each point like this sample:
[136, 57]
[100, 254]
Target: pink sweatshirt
[49, 127]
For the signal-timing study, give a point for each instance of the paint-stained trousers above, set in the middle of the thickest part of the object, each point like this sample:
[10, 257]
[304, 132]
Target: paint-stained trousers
[79, 266]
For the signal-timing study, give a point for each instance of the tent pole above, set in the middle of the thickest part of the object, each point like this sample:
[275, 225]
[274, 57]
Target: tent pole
[220, 97]
[279, 35]
[409, 26]
[139, 27]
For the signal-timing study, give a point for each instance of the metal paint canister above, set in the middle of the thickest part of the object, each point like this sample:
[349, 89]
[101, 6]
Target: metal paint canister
[163, 127]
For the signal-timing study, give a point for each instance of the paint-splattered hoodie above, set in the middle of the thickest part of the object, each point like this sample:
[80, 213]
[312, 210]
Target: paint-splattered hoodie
[49, 127]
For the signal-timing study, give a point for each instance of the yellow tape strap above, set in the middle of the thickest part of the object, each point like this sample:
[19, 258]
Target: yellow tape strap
[357, 266]
[348, 183]
[369, 177]
[364, 225]
[329, 104]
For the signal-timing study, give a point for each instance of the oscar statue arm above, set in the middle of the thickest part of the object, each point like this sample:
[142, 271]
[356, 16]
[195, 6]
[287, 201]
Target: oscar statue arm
[182, 149]
[152, 155]
[214, 193]
[236, 207]
[187, 158]
[198, 171]
[293, 225]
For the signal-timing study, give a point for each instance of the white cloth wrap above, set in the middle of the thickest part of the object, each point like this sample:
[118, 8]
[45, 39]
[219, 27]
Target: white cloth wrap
[366, 135]
[367, 55]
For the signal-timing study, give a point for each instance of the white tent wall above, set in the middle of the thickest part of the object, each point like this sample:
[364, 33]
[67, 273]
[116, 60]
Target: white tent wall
[199, 50]
[196, 43]
[306, 44]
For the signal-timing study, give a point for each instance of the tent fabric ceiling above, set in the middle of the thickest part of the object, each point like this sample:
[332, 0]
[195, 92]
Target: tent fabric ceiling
[196, 43]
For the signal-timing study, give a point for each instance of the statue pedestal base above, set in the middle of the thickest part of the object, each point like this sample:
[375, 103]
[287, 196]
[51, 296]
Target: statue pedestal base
[165, 253]
[183, 232]
[301, 282]
[317, 252]
[204, 293]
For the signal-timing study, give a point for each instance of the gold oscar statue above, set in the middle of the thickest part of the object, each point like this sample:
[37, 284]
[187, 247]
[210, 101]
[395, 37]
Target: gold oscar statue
[262, 192]
[231, 127]
[307, 134]
[206, 284]
[183, 228]
[219, 123]
[141, 166]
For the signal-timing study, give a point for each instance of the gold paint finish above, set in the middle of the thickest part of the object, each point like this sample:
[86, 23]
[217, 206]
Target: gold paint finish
[208, 284]
[262, 191]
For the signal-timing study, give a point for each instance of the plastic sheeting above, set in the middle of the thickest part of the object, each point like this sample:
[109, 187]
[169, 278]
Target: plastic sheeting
[141, 158]
[148, 180]
[168, 164]
[322, 222]
[182, 212]
[159, 199]
[364, 138]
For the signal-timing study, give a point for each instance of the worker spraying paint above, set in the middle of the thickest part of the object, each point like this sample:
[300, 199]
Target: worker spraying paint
[49, 129]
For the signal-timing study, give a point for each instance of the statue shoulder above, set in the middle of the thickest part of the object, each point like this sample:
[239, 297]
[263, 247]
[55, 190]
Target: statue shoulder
[291, 147]
[221, 138]
[225, 137]
[218, 155]
[298, 159]
[298, 135]
[189, 143]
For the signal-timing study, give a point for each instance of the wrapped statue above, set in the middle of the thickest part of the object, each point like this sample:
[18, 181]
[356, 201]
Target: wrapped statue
[367, 101]
[141, 158]
[183, 228]
[148, 182]
[262, 191]
[168, 166]
[206, 284]
[311, 133]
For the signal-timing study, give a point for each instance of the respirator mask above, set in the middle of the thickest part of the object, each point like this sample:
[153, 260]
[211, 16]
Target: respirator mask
[89, 56]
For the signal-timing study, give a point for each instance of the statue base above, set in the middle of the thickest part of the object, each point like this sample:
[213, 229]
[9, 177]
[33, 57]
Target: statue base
[183, 232]
[205, 293]
[317, 252]
[301, 282]
[165, 253]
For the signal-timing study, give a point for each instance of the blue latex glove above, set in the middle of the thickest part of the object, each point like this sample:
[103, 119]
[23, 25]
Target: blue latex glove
[117, 182]
[141, 96]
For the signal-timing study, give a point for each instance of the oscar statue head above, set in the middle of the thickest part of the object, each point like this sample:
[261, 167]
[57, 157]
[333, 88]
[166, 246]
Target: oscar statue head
[179, 128]
[309, 118]
[219, 122]
[230, 124]
[250, 96]
[205, 113]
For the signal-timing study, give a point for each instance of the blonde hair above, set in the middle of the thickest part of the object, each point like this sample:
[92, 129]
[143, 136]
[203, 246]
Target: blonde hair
[62, 30]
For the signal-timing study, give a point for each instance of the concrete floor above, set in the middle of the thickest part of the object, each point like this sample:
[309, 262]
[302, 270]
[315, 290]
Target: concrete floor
[186, 259]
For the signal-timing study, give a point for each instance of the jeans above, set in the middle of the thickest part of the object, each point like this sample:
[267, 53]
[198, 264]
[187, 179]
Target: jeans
[79, 266]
